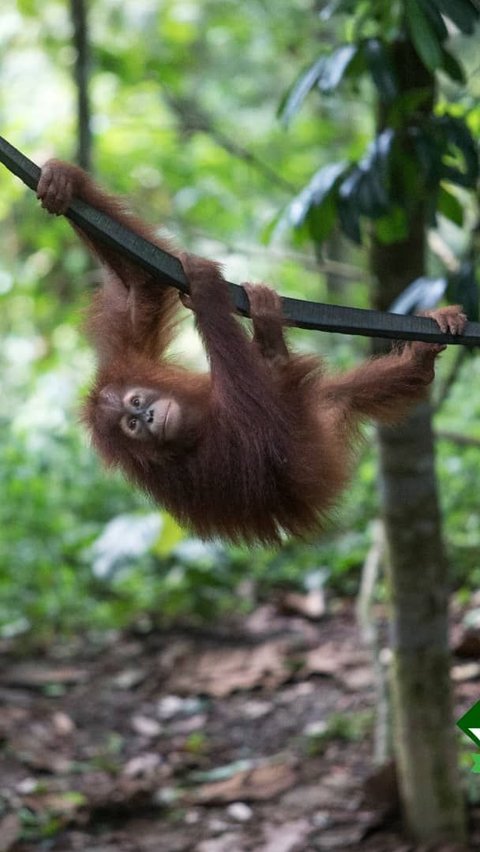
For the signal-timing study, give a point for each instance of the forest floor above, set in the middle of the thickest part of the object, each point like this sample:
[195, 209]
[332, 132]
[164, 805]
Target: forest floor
[258, 739]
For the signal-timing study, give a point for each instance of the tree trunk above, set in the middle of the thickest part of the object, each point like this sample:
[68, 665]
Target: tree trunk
[424, 737]
[78, 11]
[424, 731]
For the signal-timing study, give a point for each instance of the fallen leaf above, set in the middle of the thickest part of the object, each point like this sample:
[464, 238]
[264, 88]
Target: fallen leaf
[330, 658]
[63, 724]
[143, 764]
[259, 783]
[146, 727]
[240, 812]
[311, 605]
[43, 757]
[286, 837]
[227, 843]
[337, 838]
[38, 676]
[221, 671]
[358, 679]
[129, 678]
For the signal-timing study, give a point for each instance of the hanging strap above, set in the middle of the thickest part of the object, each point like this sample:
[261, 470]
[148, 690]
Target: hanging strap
[298, 312]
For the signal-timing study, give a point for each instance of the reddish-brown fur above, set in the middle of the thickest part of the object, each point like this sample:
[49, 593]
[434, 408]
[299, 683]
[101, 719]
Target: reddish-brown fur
[274, 447]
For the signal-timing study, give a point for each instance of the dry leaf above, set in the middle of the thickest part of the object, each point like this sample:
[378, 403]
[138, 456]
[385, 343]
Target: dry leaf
[262, 782]
[227, 843]
[143, 764]
[358, 679]
[63, 724]
[330, 658]
[146, 727]
[311, 605]
[221, 671]
[38, 676]
[288, 837]
[129, 678]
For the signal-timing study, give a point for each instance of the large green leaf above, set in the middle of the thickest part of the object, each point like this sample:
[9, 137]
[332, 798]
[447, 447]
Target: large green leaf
[324, 181]
[429, 7]
[446, 151]
[463, 13]
[323, 206]
[381, 68]
[428, 154]
[372, 191]
[423, 35]
[456, 133]
[349, 218]
[315, 206]
[315, 193]
[321, 220]
[371, 198]
[335, 67]
[351, 204]
[452, 67]
[421, 295]
[449, 206]
[381, 151]
[300, 89]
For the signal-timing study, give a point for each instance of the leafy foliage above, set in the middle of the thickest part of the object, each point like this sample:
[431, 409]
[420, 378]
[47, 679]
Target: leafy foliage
[415, 152]
[232, 62]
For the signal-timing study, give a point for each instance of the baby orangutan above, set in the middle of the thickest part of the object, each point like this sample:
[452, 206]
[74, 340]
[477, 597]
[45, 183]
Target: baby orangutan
[260, 446]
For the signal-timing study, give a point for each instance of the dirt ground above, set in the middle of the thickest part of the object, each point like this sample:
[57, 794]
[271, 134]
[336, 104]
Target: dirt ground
[258, 739]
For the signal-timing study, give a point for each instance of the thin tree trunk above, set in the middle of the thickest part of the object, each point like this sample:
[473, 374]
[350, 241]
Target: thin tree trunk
[424, 731]
[82, 71]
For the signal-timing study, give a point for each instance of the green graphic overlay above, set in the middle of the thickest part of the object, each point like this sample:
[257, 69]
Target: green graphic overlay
[470, 725]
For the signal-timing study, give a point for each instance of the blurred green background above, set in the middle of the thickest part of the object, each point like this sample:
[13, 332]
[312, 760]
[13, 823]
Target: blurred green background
[184, 100]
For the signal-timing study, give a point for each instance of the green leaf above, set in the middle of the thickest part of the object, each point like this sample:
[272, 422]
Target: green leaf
[458, 135]
[300, 89]
[463, 13]
[312, 211]
[382, 147]
[381, 68]
[350, 222]
[421, 295]
[321, 220]
[349, 209]
[453, 68]
[371, 199]
[449, 206]
[430, 9]
[315, 193]
[427, 154]
[455, 176]
[331, 9]
[376, 164]
[325, 180]
[335, 67]
[423, 35]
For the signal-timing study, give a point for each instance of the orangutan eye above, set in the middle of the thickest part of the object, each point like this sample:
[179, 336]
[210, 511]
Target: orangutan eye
[135, 401]
[132, 424]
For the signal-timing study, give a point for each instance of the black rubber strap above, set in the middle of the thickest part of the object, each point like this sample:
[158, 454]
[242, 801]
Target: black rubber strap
[310, 315]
